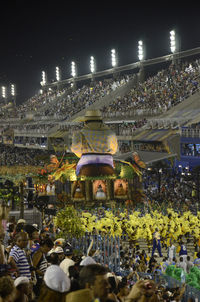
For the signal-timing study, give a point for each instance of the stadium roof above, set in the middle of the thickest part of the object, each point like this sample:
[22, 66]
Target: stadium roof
[147, 156]
[59, 133]
[154, 135]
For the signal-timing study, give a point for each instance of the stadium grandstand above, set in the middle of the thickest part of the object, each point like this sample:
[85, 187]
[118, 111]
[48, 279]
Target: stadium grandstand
[152, 105]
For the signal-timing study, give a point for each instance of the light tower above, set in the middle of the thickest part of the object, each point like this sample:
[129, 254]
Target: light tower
[4, 93]
[141, 58]
[92, 64]
[13, 92]
[73, 73]
[73, 69]
[140, 50]
[44, 79]
[58, 77]
[113, 58]
[173, 46]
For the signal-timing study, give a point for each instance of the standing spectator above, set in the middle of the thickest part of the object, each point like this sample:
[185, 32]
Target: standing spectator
[182, 264]
[89, 258]
[143, 290]
[94, 277]
[189, 263]
[197, 260]
[40, 262]
[67, 262]
[7, 289]
[22, 289]
[17, 257]
[56, 285]
[123, 291]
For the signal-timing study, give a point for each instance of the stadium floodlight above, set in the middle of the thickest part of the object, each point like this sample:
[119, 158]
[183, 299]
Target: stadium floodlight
[172, 41]
[92, 64]
[113, 58]
[44, 78]
[73, 69]
[140, 50]
[3, 92]
[57, 74]
[13, 90]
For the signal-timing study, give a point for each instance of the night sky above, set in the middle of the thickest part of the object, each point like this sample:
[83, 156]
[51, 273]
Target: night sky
[40, 35]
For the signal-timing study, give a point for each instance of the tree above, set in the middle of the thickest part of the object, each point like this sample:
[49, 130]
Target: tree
[69, 222]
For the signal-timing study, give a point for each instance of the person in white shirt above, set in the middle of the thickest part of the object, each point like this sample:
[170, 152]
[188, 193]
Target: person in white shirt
[88, 259]
[67, 262]
[189, 263]
[182, 264]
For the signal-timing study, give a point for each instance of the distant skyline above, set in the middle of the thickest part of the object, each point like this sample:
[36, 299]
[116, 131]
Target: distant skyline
[40, 35]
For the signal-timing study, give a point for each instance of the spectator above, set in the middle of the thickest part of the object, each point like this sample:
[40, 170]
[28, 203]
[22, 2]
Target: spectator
[89, 259]
[22, 289]
[56, 285]
[67, 262]
[189, 264]
[17, 257]
[182, 264]
[7, 289]
[142, 291]
[94, 277]
[123, 291]
[40, 262]
[82, 295]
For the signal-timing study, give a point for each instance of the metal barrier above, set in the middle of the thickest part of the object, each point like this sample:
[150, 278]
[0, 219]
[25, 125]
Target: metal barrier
[108, 249]
[109, 255]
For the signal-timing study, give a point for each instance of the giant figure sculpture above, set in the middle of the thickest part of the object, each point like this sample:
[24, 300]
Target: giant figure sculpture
[94, 145]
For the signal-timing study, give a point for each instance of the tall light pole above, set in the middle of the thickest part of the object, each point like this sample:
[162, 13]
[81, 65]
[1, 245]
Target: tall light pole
[140, 50]
[44, 79]
[173, 43]
[141, 58]
[58, 76]
[113, 58]
[92, 67]
[4, 92]
[92, 64]
[13, 92]
[73, 69]
[73, 73]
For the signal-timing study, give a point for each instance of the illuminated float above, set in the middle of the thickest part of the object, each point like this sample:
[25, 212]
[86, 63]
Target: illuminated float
[91, 174]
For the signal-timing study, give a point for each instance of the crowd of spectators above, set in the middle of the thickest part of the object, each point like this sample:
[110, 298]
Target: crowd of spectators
[10, 156]
[66, 102]
[158, 93]
[35, 266]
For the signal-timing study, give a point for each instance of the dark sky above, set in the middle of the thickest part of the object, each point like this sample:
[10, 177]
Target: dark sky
[40, 35]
